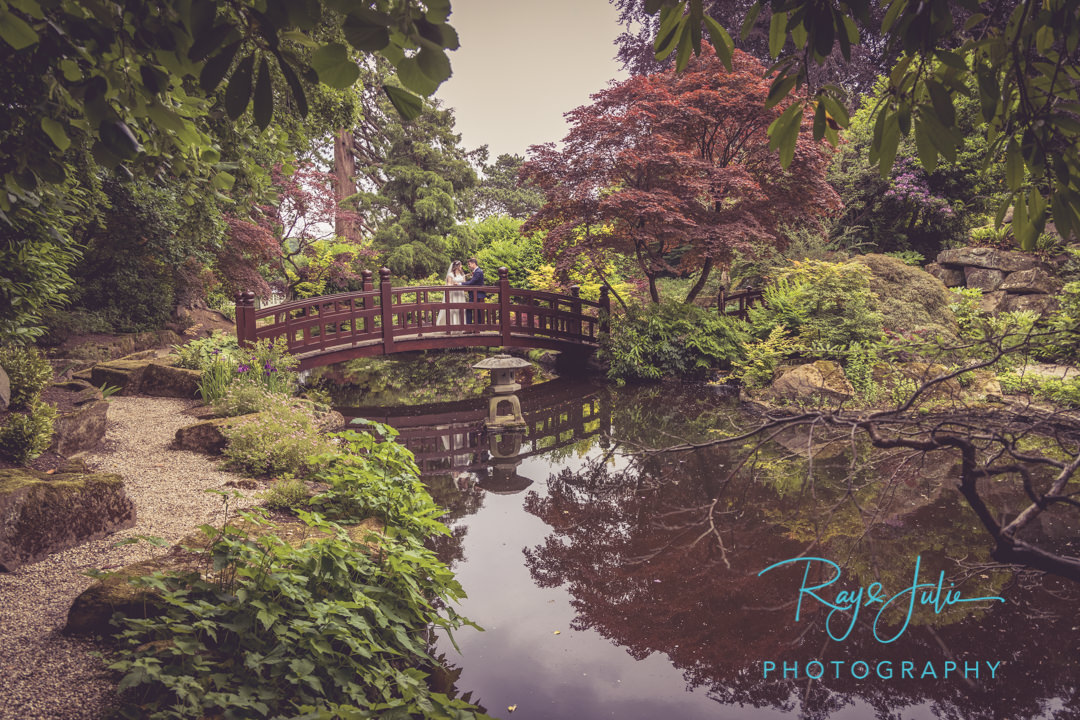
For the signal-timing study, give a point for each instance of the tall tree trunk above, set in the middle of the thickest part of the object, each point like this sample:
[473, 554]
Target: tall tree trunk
[345, 181]
[702, 278]
[653, 292]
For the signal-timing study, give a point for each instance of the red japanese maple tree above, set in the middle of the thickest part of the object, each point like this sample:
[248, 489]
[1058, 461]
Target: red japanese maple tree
[285, 237]
[674, 170]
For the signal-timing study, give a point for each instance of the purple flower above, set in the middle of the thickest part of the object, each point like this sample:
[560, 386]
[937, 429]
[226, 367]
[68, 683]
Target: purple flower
[244, 368]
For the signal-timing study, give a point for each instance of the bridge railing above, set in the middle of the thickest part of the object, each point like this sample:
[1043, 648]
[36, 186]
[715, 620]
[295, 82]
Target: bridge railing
[392, 315]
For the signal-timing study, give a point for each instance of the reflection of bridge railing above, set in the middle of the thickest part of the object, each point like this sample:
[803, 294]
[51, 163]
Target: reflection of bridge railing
[450, 437]
[385, 320]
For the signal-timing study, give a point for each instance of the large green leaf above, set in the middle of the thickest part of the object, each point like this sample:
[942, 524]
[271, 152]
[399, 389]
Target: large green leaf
[264, 96]
[238, 93]
[408, 105]
[16, 32]
[334, 66]
[414, 78]
[365, 35]
[216, 67]
[56, 133]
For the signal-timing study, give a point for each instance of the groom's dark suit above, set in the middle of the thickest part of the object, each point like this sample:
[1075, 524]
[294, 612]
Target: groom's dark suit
[476, 279]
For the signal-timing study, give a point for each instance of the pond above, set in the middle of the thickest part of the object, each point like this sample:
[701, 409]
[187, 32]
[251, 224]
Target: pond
[616, 583]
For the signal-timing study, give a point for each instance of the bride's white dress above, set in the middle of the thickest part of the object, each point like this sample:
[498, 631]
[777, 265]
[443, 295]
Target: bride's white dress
[455, 296]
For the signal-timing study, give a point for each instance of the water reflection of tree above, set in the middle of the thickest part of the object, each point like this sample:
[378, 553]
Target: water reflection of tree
[663, 557]
[459, 496]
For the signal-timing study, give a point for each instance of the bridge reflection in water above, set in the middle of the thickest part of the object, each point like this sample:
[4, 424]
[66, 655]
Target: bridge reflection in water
[450, 438]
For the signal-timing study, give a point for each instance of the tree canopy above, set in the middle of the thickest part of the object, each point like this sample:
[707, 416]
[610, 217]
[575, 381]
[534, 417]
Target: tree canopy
[1023, 71]
[675, 171]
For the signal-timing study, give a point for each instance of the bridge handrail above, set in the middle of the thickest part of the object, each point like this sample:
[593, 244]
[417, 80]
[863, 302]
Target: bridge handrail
[380, 318]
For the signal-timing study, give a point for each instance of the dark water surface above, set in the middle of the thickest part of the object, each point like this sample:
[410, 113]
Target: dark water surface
[612, 584]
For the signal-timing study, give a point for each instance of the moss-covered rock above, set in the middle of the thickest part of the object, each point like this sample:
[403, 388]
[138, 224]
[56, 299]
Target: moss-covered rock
[207, 436]
[911, 299]
[41, 514]
[821, 381]
[162, 380]
[124, 374]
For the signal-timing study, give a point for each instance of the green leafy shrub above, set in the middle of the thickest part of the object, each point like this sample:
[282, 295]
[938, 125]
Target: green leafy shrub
[242, 399]
[216, 379]
[287, 493]
[830, 304]
[267, 364]
[1060, 391]
[201, 353]
[1063, 340]
[671, 340]
[279, 440]
[28, 371]
[908, 257]
[25, 435]
[760, 358]
[280, 631]
[376, 478]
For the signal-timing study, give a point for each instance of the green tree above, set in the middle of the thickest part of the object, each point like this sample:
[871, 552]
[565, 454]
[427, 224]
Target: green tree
[499, 191]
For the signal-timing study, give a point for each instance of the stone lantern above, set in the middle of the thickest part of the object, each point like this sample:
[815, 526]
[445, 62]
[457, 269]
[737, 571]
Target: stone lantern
[503, 385]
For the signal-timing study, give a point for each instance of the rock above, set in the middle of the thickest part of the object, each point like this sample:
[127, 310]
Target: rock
[81, 429]
[984, 386]
[900, 380]
[821, 380]
[330, 422]
[911, 299]
[206, 436]
[167, 381]
[983, 279]
[1035, 280]
[124, 374]
[985, 257]
[1041, 304]
[992, 302]
[951, 277]
[41, 514]
[5, 390]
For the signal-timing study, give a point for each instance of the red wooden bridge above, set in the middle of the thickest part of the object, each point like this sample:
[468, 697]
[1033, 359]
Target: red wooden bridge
[384, 320]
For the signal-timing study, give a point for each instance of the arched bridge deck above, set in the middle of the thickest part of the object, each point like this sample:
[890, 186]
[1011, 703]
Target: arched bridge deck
[384, 320]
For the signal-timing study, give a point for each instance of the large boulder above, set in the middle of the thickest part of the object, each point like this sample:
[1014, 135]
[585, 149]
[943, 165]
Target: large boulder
[911, 299]
[952, 277]
[126, 374]
[987, 257]
[819, 381]
[1039, 304]
[206, 437]
[985, 279]
[41, 514]
[83, 426]
[1035, 280]
[167, 381]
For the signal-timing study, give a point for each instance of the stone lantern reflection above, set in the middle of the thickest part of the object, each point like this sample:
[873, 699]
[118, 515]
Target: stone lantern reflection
[504, 447]
[503, 385]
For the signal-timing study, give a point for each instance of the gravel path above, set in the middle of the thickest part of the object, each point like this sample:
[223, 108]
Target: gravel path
[45, 675]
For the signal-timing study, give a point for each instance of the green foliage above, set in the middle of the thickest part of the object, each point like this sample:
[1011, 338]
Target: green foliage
[282, 439]
[671, 340]
[266, 364]
[859, 369]
[496, 241]
[908, 257]
[820, 303]
[28, 371]
[376, 477]
[216, 379]
[755, 369]
[1065, 392]
[909, 299]
[201, 353]
[286, 493]
[499, 193]
[276, 630]
[25, 435]
[243, 399]
[1063, 340]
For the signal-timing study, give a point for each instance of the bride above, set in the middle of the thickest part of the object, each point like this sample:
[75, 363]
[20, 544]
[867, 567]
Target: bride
[454, 276]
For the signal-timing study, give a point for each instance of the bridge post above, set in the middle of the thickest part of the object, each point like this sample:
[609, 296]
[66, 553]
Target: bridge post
[605, 309]
[575, 308]
[386, 301]
[504, 305]
[366, 287]
[245, 318]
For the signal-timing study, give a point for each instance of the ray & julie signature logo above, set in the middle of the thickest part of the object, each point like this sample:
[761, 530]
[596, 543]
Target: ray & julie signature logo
[846, 606]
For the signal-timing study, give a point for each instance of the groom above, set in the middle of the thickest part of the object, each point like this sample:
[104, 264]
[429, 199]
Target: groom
[476, 279]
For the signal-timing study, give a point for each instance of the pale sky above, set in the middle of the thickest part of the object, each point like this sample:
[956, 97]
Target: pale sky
[522, 64]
